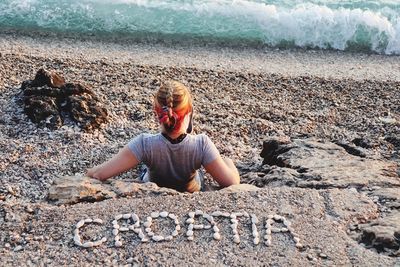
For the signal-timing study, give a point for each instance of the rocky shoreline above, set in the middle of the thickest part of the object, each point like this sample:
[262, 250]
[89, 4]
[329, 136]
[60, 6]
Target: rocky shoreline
[334, 169]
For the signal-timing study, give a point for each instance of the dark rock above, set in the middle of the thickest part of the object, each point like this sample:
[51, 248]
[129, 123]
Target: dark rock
[383, 234]
[351, 149]
[48, 99]
[363, 142]
[394, 140]
[309, 163]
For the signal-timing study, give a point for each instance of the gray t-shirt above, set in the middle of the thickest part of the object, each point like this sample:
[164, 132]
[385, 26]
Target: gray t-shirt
[174, 165]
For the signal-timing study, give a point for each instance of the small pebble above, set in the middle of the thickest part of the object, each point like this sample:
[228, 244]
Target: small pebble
[310, 257]
[189, 233]
[119, 244]
[155, 214]
[147, 230]
[198, 212]
[198, 226]
[217, 236]
[164, 214]
[277, 217]
[150, 234]
[268, 242]
[216, 213]
[97, 220]
[80, 223]
[322, 255]
[254, 219]
[141, 234]
[116, 226]
[190, 220]
[177, 227]
[216, 229]
[118, 217]
[190, 238]
[137, 230]
[175, 233]
[88, 220]
[190, 227]
[226, 214]
[236, 239]
[147, 224]
[172, 216]
[296, 239]
[76, 232]
[144, 240]
[123, 229]
[126, 215]
[256, 241]
[87, 245]
[207, 227]
[168, 238]
[299, 245]
[135, 217]
[233, 216]
[191, 214]
[158, 238]
[115, 222]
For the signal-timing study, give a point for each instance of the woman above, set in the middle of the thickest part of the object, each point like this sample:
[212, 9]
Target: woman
[174, 156]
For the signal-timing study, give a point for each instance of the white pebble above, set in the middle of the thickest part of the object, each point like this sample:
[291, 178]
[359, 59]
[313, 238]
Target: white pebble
[77, 240]
[117, 238]
[190, 227]
[238, 214]
[158, 238]
[270, 216]
[88, 220]
[284, 230]
[115, 222]
[137, 230]
[190, 220]
[256, 241]
[76, 232]
[254, 219]
[97, 220]
[277, 217]
[190, 238]
[164, 214]
[144, 240]
[189, 233]
[233, 216]
[234, 225]
[217, 236]
[168, 238]
[175, 233]
[299, 245]
[149, 219]
[245, 214]
[235, 231]
[198, 212]
[226, 214]
[147, 224]
[135, 217]
[150, 234]
[131, 227]
[216, 213]
[123, 229]
[198, 226]
[137, 224]
[234, 221]
[216, 229]
[296, 239]
[177, 227]
[116, 226]
[268, 242]
[191, 214]
[269, 221]
[275, 230]
[286, 223]
[141, 234]
[80, 223]
[208, 217]
[254, 228]
[207, 227]
[115, 231]
[267, 237]
[87, 244]
[147, 230]
[255, 234]
[172, 216]
[236, 239]
[118, 244]
[290, 229]
[118, 217]
[104, 239]
[155, 214]
[126, 215]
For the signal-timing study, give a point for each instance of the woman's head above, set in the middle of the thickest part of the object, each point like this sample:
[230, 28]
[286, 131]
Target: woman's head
[172, 103]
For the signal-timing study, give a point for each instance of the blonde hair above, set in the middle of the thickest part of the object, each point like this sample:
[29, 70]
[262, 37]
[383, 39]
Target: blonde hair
[172, 103]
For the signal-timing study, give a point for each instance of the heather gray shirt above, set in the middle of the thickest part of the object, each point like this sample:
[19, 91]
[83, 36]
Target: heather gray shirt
[173, 165]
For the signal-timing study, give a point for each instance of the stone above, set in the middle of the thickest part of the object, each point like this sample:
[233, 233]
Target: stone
[88, 244]
[190, 221]
[98, 221]
[382, 234]
[115, 232]
[309, 163]
[239, 188]
[254, 219]
[198, 212]
[126, 216]
[189, 233]
[216, 229]
[48, 101]
[80, 224]
[169, 238]
[177, 227]
[191, 214]
[75, 189]
[172, 216]
[158, 238]
[236, 239]
[155, 214]
[216, 213]
[198, 226]
[217, 236]
[119, 244]
[256, 241]
[164, 214]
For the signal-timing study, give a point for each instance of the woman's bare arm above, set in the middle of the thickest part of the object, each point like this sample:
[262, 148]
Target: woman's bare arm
[121, 162]
[223, 171]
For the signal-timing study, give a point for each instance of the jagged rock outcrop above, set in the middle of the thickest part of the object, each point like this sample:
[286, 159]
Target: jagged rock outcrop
[49, 100]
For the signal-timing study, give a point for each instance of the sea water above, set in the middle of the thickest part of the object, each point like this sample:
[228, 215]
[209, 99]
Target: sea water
[370, 25]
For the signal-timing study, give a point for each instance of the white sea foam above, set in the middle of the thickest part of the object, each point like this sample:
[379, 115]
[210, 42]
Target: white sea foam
[317, 24]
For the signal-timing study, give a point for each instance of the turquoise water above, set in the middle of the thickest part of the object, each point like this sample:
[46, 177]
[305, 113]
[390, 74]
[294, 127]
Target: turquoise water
[325, 24]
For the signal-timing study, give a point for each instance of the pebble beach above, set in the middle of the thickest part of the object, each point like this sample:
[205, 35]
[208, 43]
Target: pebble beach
[241, 96]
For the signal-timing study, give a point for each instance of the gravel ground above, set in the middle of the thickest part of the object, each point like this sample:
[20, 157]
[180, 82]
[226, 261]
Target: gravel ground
[240, 99]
